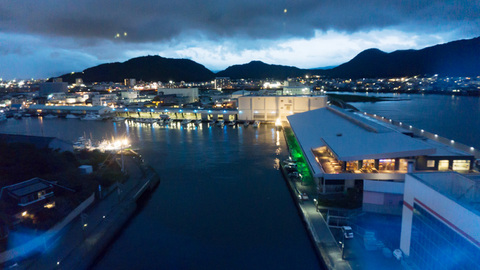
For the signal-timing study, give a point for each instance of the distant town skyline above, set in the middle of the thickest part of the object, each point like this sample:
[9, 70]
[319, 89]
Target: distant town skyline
[43, 39]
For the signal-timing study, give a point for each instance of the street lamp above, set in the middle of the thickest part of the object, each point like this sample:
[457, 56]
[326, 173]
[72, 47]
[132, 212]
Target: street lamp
[343, 245]
[316, 204]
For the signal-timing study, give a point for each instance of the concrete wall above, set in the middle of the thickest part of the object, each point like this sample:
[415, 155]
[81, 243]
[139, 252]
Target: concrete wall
[191, 94]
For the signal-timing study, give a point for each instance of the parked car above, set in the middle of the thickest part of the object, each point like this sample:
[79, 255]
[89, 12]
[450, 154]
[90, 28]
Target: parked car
[347, 232]
[290, 168]
[303, 196]
[295, 175]
[289, 162]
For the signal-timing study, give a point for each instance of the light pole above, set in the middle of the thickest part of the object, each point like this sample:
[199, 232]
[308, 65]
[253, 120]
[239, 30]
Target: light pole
[343, 245]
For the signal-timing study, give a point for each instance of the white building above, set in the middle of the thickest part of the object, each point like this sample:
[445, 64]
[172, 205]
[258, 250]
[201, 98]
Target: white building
[104, 99]
[270, 108]
[190, 94]
[440, 221]
[296, 88]
[345, 149]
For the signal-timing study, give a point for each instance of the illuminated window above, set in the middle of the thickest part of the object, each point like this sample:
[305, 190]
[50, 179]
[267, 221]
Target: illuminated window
[352, 166]
[443, 165]
[430, 163]
[461, 165]
[386, 164]
[368, 165]
[403, 166]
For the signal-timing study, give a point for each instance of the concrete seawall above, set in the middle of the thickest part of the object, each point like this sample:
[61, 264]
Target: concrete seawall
[308, 226]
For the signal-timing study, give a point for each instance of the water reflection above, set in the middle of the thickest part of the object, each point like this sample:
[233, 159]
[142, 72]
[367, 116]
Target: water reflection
[211, 208]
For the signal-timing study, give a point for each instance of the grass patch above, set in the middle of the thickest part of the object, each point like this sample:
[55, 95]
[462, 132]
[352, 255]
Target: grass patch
[297, 155]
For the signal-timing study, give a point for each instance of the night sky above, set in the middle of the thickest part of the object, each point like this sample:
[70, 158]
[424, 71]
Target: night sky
[40, 39]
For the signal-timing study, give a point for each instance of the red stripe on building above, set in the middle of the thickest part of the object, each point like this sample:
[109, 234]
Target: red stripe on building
[448, 223]
[408, 205]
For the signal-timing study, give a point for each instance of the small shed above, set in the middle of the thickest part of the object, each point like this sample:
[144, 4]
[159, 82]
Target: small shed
[85, 169]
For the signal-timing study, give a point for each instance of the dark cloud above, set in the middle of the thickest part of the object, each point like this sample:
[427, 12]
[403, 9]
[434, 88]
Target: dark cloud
[163, 20]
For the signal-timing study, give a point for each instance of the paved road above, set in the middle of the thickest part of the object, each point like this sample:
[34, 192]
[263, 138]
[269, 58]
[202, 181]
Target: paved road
[329, 249]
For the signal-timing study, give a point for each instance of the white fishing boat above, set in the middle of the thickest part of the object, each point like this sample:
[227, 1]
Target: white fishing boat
[91, 117]
[118, 119]
[150, 121]
[246, 124]
[83, 144]
[71, 116]
[197, 122]
[50, 116]
[232, 123]
[220, 123]
[256, 124]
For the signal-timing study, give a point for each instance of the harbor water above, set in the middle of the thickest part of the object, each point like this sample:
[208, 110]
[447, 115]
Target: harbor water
[453, 117]
[221, 204]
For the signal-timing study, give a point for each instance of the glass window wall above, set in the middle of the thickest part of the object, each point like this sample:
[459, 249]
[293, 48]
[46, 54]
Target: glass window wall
[386, 165]
[443, 165]
[461, 165]
[403, 165]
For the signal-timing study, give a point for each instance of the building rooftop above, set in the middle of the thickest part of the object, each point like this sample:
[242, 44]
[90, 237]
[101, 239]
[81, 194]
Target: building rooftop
[353, 147]
[27, 187]
[69, 108]
[354, 136]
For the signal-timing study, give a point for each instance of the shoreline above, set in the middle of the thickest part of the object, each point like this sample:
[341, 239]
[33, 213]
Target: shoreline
[104, 221]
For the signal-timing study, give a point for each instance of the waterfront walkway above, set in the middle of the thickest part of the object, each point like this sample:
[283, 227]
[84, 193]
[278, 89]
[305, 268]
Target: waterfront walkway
[85, 237]
[327, 246]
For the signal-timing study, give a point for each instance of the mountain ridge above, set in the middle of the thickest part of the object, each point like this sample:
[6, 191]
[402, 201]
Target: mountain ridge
[455, 58]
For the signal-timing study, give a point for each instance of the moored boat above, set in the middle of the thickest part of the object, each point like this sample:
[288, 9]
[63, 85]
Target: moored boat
[91, 117]
[118, 119]
[71, 116]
